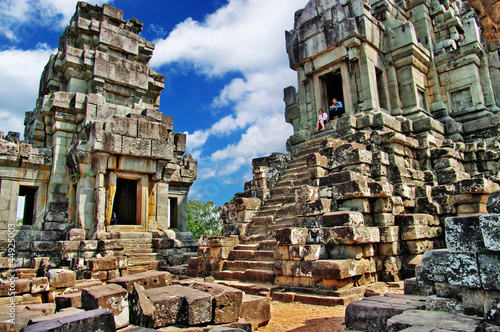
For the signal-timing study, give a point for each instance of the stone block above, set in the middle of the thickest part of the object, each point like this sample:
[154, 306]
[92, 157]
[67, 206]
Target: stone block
[434, 266]
[185, 305]
[149, 279]
[39, 285]
[463, 234]
[69, 300]
[241, 203]
[389, 234]
[351, 235]
[489, 265]
[103, 264]
[463, 270]
[437, 319]
[340, 251]
[226, 303]
[476, 186]
[493, 203]
[142, 310]
[59, 278]
[291, 236]
[334, 269]
[371, 315]
[419, 232]
[255, 310]
[305, 252]
[489, 224]
[218, 241]
[92, 320]
[112, 297]
[343, 218]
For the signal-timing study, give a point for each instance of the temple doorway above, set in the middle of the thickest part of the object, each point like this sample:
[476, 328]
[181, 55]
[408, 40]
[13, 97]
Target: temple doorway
[332, 83]
[125, 203]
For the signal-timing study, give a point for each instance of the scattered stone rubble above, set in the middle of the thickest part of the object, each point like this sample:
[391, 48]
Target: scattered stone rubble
[151, 300]
[456, 289]
[362, 201]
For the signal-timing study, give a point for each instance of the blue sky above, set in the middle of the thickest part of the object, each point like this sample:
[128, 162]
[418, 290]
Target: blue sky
[225, 67]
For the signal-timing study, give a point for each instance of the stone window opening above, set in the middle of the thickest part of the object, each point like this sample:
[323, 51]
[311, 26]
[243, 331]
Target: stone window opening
[26, 201]
[332, 85]
[422, 101]
[381, 90]
[125, 202]
[173, 215]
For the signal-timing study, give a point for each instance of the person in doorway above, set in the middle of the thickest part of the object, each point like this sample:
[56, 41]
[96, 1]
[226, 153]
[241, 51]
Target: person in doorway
[322, 119]
[336, 109]
[114, 221]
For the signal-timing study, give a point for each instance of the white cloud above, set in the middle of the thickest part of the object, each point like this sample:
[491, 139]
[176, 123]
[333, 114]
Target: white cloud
[20, 71]
[242, 36]
[22, 18]
[245, 37]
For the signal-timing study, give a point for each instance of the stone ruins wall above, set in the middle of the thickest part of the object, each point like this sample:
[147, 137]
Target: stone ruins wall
[96, 143]
[364, 199]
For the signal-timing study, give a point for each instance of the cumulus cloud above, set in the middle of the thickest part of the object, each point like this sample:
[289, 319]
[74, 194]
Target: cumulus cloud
[21, 18]
[246, 37]
[20, 71]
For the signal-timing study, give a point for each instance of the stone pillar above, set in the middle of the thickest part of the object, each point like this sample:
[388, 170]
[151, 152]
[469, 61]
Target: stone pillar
[162, 189]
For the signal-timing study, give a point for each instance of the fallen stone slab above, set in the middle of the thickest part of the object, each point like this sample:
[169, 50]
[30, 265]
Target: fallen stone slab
[437, 319]
[371, 314]
[142, 310]
[180, 305]
[44, 308]
[21, 316]
[94, 320]
[226, 302]
[111, 297]
[62, 313]
[149, 279]
[255, 310]
[60, 278]
[69, 300]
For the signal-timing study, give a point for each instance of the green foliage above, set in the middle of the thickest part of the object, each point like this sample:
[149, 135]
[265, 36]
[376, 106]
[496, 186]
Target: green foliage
[203, 219]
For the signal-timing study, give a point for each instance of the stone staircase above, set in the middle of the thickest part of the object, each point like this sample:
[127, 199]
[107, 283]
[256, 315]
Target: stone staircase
[253, 259]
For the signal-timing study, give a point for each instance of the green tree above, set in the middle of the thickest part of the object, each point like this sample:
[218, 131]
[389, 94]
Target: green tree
[203, 219]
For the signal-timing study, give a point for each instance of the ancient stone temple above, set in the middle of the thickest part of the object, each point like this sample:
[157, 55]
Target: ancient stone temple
[96, 145]
[362, 200]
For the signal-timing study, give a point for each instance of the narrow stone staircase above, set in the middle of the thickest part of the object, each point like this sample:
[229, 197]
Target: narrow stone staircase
[253, 259]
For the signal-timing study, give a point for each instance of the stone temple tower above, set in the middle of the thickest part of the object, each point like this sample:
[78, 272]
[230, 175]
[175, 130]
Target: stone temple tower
[409, 59]
[96, 144]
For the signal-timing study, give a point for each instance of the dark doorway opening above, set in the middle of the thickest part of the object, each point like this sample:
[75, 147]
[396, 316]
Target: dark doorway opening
[173, 212]
[28, 194]
[125, 203]
[333, 88]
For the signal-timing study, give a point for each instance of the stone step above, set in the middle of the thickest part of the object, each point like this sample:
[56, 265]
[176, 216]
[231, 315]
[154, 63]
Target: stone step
[259, 276]
[265, 214]
[251, 288]
[130, 235]
[325, 300]
[251, 255]
[267, 245]
[323, 133]
[248, 265]
[282, 199]
[291, 183]
[295, 171]
[147, 257]
[434, 319]
[141, 266]
[138, 251]
[262, 220]
[248, 246]
[308, 150]
[286, 191]
[272, 207]
[287, 222]
[295, 177]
